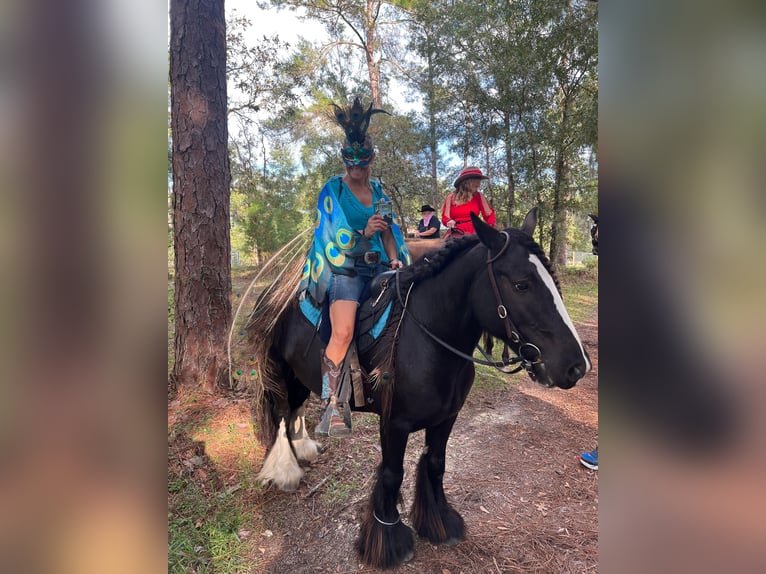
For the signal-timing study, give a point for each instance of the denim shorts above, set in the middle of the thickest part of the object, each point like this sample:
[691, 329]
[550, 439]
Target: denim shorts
[345, 288]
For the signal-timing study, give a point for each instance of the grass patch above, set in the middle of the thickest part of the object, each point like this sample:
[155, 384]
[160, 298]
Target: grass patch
[489, 378]
[579, 287]
[203, 531]
[336, 491]
[213, 458]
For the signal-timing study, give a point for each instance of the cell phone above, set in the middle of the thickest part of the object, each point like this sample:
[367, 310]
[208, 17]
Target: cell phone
[383, 208]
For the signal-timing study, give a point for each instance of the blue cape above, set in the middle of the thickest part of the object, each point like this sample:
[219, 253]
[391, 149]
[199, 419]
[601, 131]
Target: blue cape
[332, 250]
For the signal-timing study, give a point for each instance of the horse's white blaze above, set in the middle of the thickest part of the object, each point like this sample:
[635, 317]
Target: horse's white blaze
[548, 280]
[305, 448]
[280, 466]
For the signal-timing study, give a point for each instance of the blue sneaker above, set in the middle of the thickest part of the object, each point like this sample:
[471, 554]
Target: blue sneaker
[590, 459]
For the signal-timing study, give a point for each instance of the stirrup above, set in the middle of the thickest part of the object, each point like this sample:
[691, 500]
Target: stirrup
[340, 426]
[332, 424]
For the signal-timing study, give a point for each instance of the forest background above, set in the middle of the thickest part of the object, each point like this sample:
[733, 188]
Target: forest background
[511, 87]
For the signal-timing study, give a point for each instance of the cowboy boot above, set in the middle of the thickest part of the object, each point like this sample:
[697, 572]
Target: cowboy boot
[331, 423]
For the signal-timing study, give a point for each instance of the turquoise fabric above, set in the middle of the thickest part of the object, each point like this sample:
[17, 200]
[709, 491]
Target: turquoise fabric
[334, 239]
[377, 328]
[312, 313]
[357, 215]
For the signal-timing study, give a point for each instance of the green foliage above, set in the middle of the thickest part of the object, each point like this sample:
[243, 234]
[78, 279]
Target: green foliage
[580, 290]
[337, 491]
[509, 86]
[266, 205]
[203, 530]
[256, 74]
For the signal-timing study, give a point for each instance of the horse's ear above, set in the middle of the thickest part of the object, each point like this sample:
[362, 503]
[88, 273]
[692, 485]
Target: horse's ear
[488, 235]
[530, 221]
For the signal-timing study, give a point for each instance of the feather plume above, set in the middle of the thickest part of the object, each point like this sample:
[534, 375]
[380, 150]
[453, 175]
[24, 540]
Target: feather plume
[355, 120]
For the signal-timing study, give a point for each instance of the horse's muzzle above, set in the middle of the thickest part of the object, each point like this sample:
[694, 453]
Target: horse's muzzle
[540, 374]
[575, 372]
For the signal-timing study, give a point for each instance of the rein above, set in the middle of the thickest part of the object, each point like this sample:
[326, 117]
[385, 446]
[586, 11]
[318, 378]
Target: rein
[510, 329]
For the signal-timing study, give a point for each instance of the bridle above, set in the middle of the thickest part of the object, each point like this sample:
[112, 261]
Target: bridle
[511, 331]
[526, 359]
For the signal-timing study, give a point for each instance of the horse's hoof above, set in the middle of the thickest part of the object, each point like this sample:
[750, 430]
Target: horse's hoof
[454, 541]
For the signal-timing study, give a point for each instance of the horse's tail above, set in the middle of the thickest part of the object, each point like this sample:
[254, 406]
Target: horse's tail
[261, 370]
[261, 330]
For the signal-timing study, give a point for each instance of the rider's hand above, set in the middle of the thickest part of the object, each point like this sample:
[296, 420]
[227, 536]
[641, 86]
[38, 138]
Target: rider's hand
[374, 224]
[395, 264]
[417, 234]
[451, 223]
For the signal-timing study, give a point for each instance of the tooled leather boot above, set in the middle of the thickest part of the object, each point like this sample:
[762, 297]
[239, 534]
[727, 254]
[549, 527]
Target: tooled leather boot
[332, 423]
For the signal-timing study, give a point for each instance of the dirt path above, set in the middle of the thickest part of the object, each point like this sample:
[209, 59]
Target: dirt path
[512, 472]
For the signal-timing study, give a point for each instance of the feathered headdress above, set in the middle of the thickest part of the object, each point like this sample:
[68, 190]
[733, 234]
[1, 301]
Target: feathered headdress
[357, 149]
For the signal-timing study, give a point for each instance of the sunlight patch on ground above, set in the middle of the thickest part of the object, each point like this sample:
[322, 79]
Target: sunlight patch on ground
[230, 442]
[583, 412]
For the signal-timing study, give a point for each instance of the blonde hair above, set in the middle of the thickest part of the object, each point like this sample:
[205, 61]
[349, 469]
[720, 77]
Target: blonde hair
[462, 194]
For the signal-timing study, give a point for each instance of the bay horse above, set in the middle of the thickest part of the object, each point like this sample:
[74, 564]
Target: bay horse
[421, 367]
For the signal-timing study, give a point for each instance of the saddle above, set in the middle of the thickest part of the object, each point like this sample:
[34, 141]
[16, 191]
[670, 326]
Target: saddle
[354, 387]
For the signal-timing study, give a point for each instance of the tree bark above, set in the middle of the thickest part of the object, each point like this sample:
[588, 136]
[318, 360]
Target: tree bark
[561, 184]
[373, 66]
[558, 225]
[560, 187]
[201, 180]
[433, 144]
[511, 203]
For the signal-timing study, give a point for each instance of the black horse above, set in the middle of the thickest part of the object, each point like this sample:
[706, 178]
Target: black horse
[594, 233]
[494, 281]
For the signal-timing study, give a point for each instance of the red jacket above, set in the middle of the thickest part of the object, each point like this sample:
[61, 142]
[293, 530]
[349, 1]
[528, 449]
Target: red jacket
[462, 213]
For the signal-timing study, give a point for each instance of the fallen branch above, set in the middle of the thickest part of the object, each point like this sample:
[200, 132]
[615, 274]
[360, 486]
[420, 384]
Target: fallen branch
[314, 488]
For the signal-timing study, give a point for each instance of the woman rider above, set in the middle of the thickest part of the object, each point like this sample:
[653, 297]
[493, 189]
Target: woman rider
[352, 243]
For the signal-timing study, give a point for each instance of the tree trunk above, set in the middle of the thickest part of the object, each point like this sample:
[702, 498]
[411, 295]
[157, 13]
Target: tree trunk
[557, 250]
[561, 186]
[558, 225]
[201, 178]
[373, 67]
[487, 167]
[509, 170]
[432, 141]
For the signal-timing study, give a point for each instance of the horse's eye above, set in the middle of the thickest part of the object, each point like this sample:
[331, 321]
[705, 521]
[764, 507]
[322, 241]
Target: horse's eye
[521, 286]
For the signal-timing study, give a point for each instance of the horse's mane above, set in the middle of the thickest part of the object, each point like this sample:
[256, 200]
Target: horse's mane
[435, 260]
[430, 265]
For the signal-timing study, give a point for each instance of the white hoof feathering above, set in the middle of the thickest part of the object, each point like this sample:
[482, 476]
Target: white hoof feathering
[305, 448]
[280, 467]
